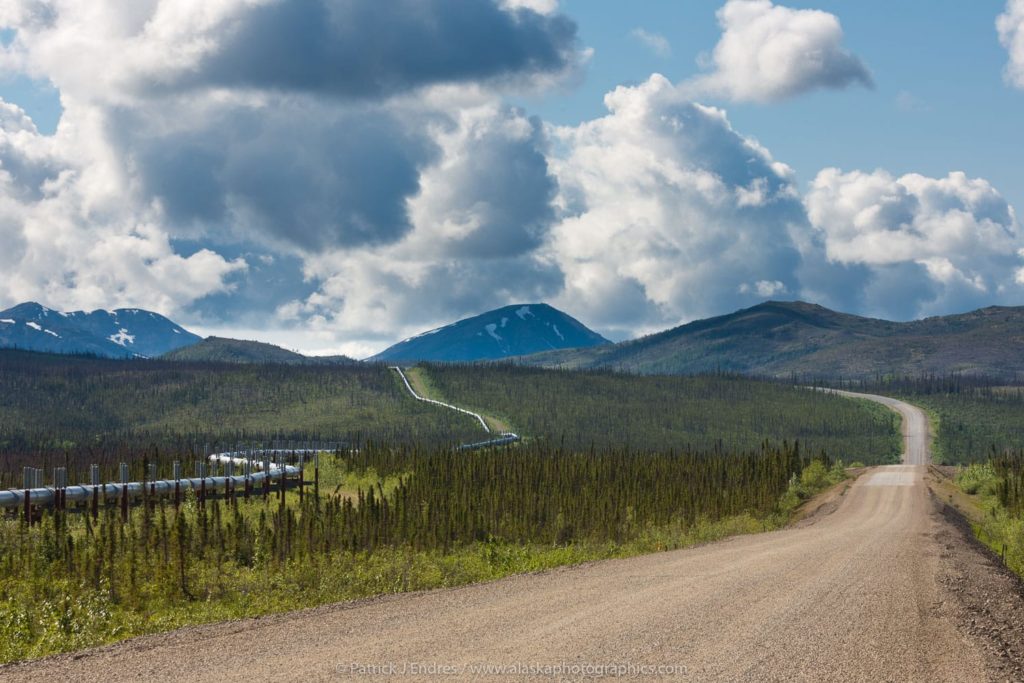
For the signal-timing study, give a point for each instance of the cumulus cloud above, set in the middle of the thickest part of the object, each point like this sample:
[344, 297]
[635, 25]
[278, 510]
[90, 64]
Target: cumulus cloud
[337, 47]
[669, 213]
[540, 6]
[769, 52]
[303, 175]
[304, 127]
[350, 49]
[482, 213]
[655, 41]
[67, 241]
[933, 244]
[360, 177]
[1010, 25]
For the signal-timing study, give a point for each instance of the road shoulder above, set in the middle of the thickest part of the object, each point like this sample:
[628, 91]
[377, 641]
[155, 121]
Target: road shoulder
[986, 598]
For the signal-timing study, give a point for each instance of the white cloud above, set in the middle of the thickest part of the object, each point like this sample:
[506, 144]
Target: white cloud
[482, 213]
[1010, 25]
[539, 6]
[769, 52]
[361, 49]
[409, 194]
[72, 238]
[668, 212]
[952, 242]
[655, 41]
[764, 288]
[230, 122]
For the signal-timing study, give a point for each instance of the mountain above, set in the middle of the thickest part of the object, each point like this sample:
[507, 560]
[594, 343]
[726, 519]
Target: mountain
[222, 350]
[785, 338]
[122, 333]
[510, 331]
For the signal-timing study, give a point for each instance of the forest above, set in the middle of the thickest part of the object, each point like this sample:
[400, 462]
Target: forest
[975, 415]
[66, 401]
[384, 520]
[605, 409]
[610, 465]
[61, 411]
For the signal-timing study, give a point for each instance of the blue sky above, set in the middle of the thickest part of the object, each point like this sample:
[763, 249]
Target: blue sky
[939, 103]
[334, 176]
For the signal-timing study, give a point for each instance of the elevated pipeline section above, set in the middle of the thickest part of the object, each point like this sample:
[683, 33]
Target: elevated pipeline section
[500, 440]
[267, 470]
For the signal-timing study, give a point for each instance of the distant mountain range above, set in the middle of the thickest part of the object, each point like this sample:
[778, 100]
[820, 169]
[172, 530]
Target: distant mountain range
[221, 350]
[785, 338]
[122, 333]
[772, 339]
[510, 331]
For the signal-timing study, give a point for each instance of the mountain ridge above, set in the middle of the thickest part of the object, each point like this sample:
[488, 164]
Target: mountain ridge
[513, 330]
[226, 350]
[778, 338]
[119, 333]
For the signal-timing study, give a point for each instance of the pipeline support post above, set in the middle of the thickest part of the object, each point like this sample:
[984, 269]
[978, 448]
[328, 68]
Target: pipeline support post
[202, 484]
[28, 493]
[316, 474]
[248, 478]
[266, 477]
[177, 485]
[94, 478]
[124, 492]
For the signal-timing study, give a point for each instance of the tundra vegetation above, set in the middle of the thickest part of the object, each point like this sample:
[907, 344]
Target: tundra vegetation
[641, 465]
[386, 520]
[999, 487]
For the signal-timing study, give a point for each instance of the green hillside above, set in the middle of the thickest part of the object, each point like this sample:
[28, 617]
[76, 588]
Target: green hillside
[222, 350]
[600, 409]
[781, 339]
[54, 399]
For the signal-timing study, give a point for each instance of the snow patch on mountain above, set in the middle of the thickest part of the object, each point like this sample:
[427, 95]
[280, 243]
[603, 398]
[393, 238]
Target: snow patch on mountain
[122, 333]
[122, 337]
[518, 329]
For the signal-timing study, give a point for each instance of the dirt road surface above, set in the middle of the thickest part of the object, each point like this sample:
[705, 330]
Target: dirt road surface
[915, 426]
[857, 594]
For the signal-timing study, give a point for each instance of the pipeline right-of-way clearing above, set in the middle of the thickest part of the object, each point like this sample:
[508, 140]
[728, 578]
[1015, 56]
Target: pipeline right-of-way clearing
[501, 439]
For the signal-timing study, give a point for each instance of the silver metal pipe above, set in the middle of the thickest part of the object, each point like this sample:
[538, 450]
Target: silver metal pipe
[479, 418]
[505, 438]
[84, 492]
[241, 457]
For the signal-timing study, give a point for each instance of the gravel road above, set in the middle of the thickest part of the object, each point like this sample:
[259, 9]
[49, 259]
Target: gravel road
[854, 593]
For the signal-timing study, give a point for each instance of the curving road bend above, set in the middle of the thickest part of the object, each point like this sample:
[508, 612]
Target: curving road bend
[849, 596]
[915, 426]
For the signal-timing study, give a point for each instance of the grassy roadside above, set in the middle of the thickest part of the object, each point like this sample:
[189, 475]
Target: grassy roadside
[934, 442]
[421, 383]
[41, 616]
[972, 491]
